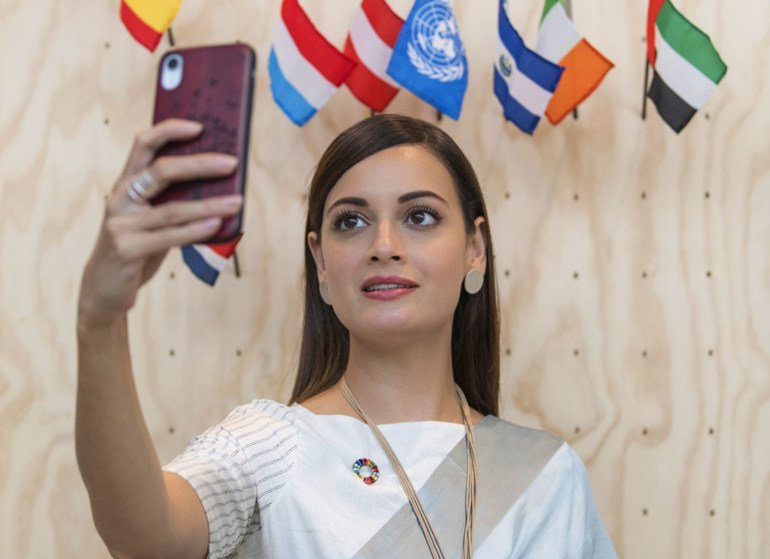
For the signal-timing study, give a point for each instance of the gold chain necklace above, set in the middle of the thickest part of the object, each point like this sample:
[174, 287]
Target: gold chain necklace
[470, 481]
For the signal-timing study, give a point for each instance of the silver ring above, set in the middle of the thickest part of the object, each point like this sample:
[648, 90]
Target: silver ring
[143, 187]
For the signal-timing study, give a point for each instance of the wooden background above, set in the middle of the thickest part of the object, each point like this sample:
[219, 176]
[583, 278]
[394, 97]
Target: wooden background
[634, 265]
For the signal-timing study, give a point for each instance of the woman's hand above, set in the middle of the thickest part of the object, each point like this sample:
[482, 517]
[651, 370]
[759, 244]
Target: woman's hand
[135, 236]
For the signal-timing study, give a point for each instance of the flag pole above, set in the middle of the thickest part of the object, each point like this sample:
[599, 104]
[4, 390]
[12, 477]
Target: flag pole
[235, 264]
[644, 87]
[568, 11]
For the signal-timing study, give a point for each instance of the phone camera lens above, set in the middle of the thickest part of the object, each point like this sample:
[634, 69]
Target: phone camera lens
[173, 63]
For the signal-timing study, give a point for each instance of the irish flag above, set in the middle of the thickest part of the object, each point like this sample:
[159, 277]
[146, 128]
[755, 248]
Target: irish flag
[147, 20]
[687, 66]
[584, 66]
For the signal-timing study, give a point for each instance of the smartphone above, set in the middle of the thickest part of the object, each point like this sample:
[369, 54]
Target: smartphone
[213, 85]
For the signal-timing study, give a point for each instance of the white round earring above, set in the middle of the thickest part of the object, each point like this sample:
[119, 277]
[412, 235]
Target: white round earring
[323, 289]
[474, 280]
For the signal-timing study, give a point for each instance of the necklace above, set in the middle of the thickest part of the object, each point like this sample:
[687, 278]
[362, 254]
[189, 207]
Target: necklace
[470, 481]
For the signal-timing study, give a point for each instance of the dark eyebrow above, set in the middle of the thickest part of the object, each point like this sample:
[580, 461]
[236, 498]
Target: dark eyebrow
[353, 201]
[420, 194]
[401, 199]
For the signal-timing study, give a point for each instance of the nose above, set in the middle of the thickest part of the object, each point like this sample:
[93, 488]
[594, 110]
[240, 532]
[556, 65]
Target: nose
[386, 244]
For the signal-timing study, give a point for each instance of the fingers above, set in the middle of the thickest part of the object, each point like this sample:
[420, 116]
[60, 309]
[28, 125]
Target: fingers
[137, 235]
[178, 213]
[166, 171]
[151, 140]
[140, 244]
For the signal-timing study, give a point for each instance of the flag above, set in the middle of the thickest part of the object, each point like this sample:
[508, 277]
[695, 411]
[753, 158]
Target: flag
[652, 14]
[305, 69]
[687, 67]
[206, 261]
[524, 81]
[147, 20]
[429, 57]
[373, 33]
[584, 66]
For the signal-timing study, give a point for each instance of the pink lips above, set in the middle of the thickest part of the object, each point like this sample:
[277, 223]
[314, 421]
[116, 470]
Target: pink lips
[385, 288]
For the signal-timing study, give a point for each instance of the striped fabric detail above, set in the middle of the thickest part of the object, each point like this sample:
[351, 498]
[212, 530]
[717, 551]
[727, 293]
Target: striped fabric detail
[524, 81]
[557, 35]
[238, 469]
[147, 20]
[299, 71]
[305, 68]
[373, 32]
[584, 67]
[687, 67]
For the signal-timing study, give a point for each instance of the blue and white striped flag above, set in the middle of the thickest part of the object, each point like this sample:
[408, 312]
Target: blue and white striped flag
[524, 81]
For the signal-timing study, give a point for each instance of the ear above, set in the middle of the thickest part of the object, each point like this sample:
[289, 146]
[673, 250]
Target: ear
[476, 251]
[314, 244]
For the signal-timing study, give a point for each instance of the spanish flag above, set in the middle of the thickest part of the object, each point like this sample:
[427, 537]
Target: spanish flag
[147, 20]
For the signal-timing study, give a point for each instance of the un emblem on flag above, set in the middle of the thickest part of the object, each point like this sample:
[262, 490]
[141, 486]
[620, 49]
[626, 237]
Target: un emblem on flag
[435, 48]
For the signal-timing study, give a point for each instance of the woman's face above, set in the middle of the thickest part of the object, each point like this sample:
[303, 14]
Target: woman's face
[393, 248]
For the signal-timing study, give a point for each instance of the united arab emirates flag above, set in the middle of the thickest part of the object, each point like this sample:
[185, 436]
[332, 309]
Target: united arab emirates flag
[687, 66]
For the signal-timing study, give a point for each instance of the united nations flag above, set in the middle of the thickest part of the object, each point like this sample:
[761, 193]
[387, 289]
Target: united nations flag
[429, 57]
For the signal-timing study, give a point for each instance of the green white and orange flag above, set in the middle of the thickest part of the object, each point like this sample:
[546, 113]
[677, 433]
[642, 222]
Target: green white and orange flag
[687, 66]
[584, 66]
[147, 20]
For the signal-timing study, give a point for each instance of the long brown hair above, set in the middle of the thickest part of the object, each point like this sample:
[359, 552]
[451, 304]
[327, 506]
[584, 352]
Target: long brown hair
[475, 327]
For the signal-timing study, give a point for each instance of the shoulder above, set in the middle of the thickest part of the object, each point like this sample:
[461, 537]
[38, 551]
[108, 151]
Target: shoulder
[259, 428]
[263, 412]
[511, 437]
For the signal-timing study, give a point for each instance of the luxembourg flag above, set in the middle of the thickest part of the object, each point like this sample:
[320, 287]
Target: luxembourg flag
[524, 81]
[373, 33]
[206, 261]
[305, 69]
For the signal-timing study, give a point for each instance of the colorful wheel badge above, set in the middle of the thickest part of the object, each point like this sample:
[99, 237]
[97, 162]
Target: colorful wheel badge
[367, 470]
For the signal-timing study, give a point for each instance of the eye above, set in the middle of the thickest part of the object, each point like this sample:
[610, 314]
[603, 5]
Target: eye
[422, 216]
[348, 220]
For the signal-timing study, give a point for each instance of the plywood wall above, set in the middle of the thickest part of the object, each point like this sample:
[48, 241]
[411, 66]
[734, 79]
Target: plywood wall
[634, 266]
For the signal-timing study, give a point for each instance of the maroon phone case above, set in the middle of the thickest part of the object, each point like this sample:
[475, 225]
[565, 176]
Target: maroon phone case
[216, 89]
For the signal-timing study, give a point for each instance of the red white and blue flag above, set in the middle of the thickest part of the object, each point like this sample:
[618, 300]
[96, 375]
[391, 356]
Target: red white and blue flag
[305, 69]
[373, 33]
[206, 261]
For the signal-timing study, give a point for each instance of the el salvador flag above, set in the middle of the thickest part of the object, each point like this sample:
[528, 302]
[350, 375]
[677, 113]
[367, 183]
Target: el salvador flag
[524, 81]
[429, 57]
[305, 69]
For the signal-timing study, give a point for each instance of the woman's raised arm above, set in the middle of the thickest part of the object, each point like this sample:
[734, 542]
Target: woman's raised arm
[138, 510]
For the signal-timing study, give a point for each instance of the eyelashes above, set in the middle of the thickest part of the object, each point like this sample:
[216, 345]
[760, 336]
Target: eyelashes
[419, 216]
[423, 210]
[344, 220]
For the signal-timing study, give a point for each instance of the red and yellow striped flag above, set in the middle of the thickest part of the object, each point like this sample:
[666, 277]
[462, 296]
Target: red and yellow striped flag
[147, 20]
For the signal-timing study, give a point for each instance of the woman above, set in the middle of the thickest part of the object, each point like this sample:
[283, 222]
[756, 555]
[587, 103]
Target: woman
[401, 332]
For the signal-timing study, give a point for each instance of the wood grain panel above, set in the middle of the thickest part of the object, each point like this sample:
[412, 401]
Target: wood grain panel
[633, 265]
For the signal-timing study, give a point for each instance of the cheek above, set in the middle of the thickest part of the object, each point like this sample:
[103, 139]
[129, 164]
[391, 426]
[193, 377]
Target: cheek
[444, 262]
[339, 262]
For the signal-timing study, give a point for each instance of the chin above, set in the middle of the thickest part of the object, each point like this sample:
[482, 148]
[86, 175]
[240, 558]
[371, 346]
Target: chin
[387, 330]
